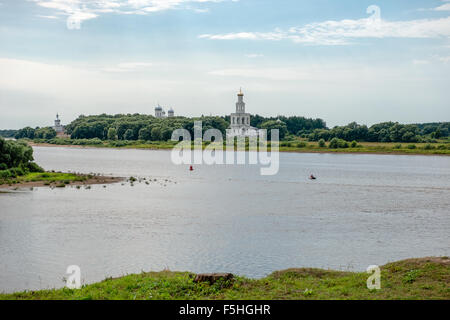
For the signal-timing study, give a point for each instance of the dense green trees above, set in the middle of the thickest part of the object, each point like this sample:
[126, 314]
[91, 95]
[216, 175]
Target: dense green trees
[275, 124]
[16, 159]
[8, 133]
[137, 127]
[295, 125]
[149, 128]
[382, 132]
[38, 133]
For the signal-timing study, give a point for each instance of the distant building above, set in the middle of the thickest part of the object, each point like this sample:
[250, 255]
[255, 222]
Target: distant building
[58, 127]
[160, 113]
[240, 120]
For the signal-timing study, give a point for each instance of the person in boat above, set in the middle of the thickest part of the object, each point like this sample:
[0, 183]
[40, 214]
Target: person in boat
[312, 177]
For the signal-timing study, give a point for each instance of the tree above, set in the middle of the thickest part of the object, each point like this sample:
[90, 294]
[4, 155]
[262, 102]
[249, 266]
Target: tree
[334, 143]
[16, 154]
[129, 135]
[145, 134]
[156, 133]
[112, 134]
[322, 143]
[271, 125]
[45, 133]
[438, 133]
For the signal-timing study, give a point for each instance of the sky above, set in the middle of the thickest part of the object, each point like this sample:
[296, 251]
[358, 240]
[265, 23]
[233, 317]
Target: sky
[342, 61]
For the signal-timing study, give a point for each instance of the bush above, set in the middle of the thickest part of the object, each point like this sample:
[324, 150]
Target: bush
[4, 174]
[398, 146]
[322, 143]
[33, 167]
[411, 146]
[338, 143]
[301, 144]
[354, 144]
[334, 143]
[428, 147]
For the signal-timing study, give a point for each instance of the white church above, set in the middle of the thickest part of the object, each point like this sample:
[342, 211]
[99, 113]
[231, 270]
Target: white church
[58, 127]
[240, 120]
[160, 113]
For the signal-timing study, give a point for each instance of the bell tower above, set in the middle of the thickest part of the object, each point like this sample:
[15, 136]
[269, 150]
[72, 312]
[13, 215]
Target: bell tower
[240, 105]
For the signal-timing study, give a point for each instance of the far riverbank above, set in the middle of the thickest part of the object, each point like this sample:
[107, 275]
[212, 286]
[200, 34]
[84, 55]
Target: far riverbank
[438, 149]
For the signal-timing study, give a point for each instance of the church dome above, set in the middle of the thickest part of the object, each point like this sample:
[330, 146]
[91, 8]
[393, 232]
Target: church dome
[158, 108]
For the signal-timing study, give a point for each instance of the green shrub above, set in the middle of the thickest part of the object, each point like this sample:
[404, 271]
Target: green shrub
[33, 167]
[412, 146]
[334, 143]
[428, 147]
[4, 174]
[285, 144]
[322, 143]
[354, 144]
[301, 144]
[17, 171]
[398, 146]
[338, 143]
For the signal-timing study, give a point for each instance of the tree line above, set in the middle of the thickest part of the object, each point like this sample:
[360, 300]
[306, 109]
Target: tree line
[147, 127]
[383, 132]
[35, 133]
[150, 128]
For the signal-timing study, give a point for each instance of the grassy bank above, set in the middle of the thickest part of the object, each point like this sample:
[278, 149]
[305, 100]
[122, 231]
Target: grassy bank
[425, 278]
[54, 179]
[440, 148]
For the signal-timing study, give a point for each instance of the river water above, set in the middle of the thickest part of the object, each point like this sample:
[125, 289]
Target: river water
[362, 210]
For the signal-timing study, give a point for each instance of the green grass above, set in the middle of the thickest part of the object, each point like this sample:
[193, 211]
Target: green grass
[46, 177]
[426, 278]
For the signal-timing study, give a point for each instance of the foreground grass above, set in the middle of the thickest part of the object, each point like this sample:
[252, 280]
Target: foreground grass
[439, 148]
[425, 278]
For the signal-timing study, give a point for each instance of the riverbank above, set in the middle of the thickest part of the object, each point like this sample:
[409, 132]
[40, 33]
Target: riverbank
[285, 146]
[55, 180]
[423, 278]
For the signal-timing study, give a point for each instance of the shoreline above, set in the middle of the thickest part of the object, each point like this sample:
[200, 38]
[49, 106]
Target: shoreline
[417, 278]
[305, 150]
[59, 184]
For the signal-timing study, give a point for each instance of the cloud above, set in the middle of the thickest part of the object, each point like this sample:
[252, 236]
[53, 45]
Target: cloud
[444, 59]
[129, 67]
[444, 7]
[279, 74]
[421, 62]
[47, 17]
[81, 10]
[254, 55]
[345, 32]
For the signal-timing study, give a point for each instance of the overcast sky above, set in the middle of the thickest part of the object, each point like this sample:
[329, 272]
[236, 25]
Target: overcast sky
[341, 61]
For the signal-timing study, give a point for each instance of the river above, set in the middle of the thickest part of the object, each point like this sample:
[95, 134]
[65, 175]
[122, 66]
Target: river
[362, 210]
